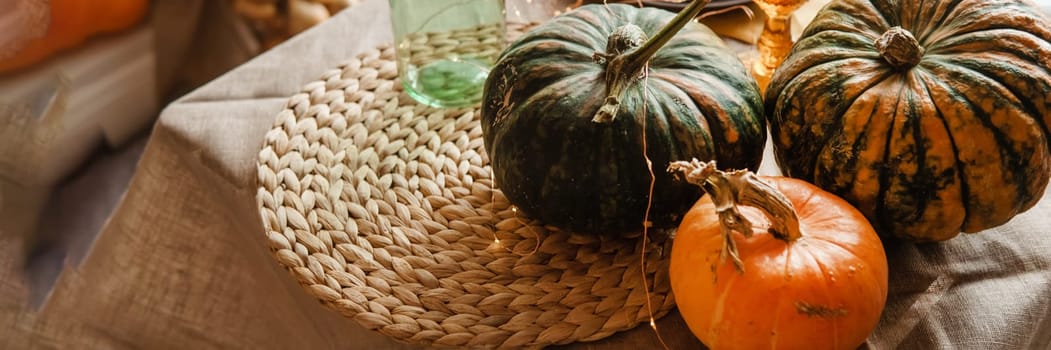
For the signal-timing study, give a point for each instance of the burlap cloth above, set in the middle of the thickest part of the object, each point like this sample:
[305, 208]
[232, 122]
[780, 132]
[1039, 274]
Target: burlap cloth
[184, 263]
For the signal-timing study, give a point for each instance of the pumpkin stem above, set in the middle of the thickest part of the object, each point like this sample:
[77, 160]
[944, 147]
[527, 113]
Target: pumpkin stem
[899, 48]
[741, 187]
[626, 59]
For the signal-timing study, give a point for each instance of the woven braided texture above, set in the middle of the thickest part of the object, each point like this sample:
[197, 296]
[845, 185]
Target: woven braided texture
[384, 210]
[482, 41]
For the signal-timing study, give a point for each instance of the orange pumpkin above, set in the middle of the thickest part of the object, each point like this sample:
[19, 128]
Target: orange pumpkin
[775, 263]
[74, 21]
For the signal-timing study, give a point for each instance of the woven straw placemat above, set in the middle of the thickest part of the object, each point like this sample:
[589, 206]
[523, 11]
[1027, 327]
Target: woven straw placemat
[384, 210]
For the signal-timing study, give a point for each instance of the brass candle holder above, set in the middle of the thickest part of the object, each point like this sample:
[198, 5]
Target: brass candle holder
[776, 38]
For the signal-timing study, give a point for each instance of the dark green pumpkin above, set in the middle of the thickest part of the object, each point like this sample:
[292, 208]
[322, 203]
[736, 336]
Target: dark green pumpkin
[694, 99]
[933, 128]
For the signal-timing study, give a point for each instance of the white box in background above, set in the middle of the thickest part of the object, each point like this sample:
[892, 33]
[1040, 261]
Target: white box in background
[56, 114]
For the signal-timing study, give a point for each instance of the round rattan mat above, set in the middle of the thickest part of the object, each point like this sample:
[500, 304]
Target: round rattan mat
[384, 210]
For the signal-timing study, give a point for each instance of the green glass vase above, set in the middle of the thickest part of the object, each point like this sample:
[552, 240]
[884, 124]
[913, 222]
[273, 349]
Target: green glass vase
[445, 48]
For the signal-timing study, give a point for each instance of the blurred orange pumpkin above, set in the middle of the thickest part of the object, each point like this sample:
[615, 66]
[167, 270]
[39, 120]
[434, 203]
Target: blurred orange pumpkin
[72, 23]
[797, 268]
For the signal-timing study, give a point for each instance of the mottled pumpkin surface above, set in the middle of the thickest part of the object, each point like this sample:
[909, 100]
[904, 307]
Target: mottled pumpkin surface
[553, 162]
[958, 142]
[823, 290]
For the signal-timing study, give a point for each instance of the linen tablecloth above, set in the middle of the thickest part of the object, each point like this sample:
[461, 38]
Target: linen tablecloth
[183, 262]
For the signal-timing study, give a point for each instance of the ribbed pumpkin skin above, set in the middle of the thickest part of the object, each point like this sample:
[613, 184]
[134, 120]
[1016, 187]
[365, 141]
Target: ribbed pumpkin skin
[555, 164]
[838, 266]
[956, 143]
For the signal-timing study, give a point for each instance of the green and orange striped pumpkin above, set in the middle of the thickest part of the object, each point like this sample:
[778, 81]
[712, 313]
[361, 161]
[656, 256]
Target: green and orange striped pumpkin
[930, 116]
[569, 104]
